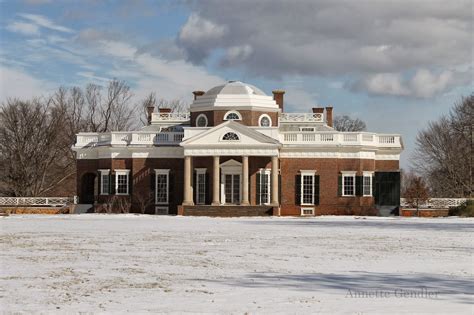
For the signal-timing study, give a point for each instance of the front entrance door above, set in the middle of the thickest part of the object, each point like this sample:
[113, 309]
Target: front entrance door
[232, 188]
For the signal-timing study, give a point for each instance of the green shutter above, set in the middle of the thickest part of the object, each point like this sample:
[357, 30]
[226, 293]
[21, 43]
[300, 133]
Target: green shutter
[297, 189]
[339, 185]
[359, 185]
[316, 189]
[258, 189]
[153, 184]
[171, 188]
[130, 183]
[112, 183]
[208, 193]
[279, 189]
[99, 182]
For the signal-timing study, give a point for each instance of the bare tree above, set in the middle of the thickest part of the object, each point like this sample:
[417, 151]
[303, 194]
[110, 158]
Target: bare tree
[416, 193]
[150, 100]
[143, 200]
[346, 123]
[444, 151]
[31, 151]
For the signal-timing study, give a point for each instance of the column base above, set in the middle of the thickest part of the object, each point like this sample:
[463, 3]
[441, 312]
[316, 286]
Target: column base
[215, 204]
[245, 203]
[188, 203]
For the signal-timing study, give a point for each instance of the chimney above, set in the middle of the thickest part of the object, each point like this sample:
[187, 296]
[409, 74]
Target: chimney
[149, 111]
[318, 110]
[278, 97]
[198, 93]
[164, 110]
[329, 116]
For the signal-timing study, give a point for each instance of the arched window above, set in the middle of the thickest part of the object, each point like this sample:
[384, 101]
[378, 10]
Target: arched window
[230, 136]
[233, 115]
[265, 121]
[201, 120]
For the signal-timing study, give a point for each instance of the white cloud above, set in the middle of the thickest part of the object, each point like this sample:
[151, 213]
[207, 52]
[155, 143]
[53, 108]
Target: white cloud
[297, 99]
[423, 84]
[15, 83]
[45, 22]
[197, 29]
[23, 28]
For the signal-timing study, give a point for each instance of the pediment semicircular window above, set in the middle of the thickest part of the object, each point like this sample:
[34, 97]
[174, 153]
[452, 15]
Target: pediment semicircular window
[230, 136]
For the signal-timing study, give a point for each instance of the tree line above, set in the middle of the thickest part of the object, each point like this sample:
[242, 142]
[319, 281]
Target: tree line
[36, 135]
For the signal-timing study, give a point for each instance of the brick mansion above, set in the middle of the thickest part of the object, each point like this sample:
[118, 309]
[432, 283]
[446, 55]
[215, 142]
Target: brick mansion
[237, 152]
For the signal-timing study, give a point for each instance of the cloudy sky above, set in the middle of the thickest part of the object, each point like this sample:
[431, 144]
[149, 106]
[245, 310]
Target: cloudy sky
[394, 64]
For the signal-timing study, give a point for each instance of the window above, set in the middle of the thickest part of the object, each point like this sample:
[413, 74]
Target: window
[307, 129]
[201, 120]
[367, 183]
[348, 183]
[307, 187]
[230, 136]
[265, 121]
[122, 182]
[232, 116]
[161, 186]
[264, 187]
[307, 211]
[161, 210]
[104, 182]
[200, 186]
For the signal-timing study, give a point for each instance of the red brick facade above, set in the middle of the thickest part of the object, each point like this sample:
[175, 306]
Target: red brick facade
[249, 118]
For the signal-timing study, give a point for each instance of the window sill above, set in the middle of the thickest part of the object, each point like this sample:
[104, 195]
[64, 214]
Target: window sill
[121, 194]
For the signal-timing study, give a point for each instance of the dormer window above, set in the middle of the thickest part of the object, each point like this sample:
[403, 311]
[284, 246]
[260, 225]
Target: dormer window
[201, 121]
[233, 115]
[230, 136]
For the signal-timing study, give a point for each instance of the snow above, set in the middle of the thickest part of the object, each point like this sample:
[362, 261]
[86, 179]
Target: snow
[140, 264]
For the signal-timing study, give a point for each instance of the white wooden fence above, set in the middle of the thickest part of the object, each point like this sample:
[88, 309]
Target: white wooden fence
[37, 201]
[436, 203]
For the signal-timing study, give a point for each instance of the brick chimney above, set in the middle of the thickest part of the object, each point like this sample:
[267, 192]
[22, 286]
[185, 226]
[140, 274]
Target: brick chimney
[198, 93]
[318, 110]
[278, 97]
[164, 110]
[329, 116]
[150, 110]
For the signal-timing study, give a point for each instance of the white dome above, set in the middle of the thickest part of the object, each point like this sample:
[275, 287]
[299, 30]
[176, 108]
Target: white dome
[234, 95]
[235, 88]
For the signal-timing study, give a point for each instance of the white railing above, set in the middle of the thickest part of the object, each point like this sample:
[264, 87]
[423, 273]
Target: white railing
[170, 117]
[301, 117]
[436, 203]
[346, 138]
[37, 201]
[119, 138]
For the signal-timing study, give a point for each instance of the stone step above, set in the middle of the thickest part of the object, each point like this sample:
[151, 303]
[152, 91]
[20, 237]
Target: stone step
[228, 211]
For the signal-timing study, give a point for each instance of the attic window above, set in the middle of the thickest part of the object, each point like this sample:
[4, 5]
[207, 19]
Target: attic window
[201, 120]
[230, 136]
[232, 116]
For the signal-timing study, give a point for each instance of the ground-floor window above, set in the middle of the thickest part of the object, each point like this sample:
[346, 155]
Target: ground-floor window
[307, 187]
[200, 186]
[162, 186]
[348, 183]
[122, 182]
[367, 183]
[104, 181]
[263, 182]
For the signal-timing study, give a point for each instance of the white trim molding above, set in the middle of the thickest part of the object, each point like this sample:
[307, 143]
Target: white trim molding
[260, 121]
[348, 174]
[311, 174]
[122, 172]
[104, 173]
[367, 175]
[200, 184]
[165, 172]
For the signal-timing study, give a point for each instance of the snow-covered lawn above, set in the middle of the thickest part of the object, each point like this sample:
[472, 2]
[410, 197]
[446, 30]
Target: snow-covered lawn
[119, 263]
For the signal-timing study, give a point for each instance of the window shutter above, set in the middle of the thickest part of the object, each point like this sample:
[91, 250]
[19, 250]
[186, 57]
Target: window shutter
[170, 187]
[258, 189]
[208, 192]
[316, 189]
[99, 182]
[373, 186]
[279, 189]
[153, 184]
[130, 183]
[359, 183]
[339, 185]
[195, 189]
[297, 189]
[112, 183]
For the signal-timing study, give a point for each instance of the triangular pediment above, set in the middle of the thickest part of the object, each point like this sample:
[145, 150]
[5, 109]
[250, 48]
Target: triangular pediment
[216, 136]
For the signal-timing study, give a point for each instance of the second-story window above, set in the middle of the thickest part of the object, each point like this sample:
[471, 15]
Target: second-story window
[232, 116]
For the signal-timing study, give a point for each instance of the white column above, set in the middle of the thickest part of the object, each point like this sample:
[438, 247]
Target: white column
[274, 191]
[245, 181]
[188, 190]
[215, 182]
